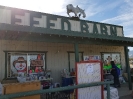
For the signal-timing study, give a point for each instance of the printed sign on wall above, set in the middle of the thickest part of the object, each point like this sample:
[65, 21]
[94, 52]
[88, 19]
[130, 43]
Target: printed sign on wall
[91, 57]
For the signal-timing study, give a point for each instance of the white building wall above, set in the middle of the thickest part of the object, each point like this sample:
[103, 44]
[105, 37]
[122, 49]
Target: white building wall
[57, 56]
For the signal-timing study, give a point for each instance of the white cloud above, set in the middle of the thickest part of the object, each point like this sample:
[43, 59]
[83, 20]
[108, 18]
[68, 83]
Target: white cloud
[59, 6]
[121, 19]
[124, 18]
[93, 8]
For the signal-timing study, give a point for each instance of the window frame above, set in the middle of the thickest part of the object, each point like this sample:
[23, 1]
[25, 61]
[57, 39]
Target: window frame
[21, 52]
[102, 58]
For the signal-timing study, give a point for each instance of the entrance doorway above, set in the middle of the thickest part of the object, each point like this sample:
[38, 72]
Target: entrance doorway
[71, 59]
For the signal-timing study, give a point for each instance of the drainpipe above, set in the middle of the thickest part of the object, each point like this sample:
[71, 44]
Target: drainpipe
[128, 67]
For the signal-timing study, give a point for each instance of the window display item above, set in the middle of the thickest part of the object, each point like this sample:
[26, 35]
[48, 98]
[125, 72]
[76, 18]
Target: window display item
[109, 59]
[36, 70]
[39, 57]
[37, 62]
[48, 73]
[21, 74]
[30, 71]
[21, 79]
[20, 64]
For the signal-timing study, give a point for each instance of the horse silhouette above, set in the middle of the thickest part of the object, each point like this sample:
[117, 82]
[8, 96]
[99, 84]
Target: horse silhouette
[75, 10]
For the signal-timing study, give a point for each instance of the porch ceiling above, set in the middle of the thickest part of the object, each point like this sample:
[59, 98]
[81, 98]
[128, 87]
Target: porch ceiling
[89, 39]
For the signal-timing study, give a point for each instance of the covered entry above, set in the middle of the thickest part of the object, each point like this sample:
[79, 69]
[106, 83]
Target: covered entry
[57, 36]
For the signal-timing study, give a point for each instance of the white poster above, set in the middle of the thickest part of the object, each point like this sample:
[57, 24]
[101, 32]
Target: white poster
[90, 68]
[89, 73]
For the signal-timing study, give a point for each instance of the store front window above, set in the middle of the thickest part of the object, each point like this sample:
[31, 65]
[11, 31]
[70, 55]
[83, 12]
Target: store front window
[107, 57]
[24, 63]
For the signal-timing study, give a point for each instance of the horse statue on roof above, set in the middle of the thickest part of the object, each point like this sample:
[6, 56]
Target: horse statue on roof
[75, 10]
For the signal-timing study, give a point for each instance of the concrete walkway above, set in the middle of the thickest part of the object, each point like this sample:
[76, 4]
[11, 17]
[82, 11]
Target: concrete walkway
[126, 97]
[124, 92]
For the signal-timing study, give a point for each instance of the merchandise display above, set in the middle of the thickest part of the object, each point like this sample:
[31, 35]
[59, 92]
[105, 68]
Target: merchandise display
[73, 73]
[29, 67]
[65, 73]
[113, 93]
[32, 76]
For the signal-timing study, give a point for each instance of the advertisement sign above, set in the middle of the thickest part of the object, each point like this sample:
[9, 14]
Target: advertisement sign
[91, 57]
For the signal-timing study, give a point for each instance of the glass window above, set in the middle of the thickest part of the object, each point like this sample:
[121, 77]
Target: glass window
[107, 57]
[25, 63]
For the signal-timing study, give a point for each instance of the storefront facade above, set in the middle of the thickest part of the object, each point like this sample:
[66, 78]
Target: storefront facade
[56, 54]
[59, 40]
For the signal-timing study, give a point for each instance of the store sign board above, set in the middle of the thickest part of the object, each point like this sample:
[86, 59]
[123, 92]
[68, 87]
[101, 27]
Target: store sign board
[48, 21]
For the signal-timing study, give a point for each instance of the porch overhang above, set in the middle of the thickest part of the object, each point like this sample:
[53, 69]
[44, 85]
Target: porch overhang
[70, 37]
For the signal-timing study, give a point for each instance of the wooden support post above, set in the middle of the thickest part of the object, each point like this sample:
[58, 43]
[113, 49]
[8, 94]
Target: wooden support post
[76, 52]
[128, 67]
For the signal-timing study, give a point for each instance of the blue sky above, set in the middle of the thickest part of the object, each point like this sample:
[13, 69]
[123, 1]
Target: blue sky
[118, 12]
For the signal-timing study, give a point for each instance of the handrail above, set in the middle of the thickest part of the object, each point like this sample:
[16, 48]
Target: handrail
[35, 92]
